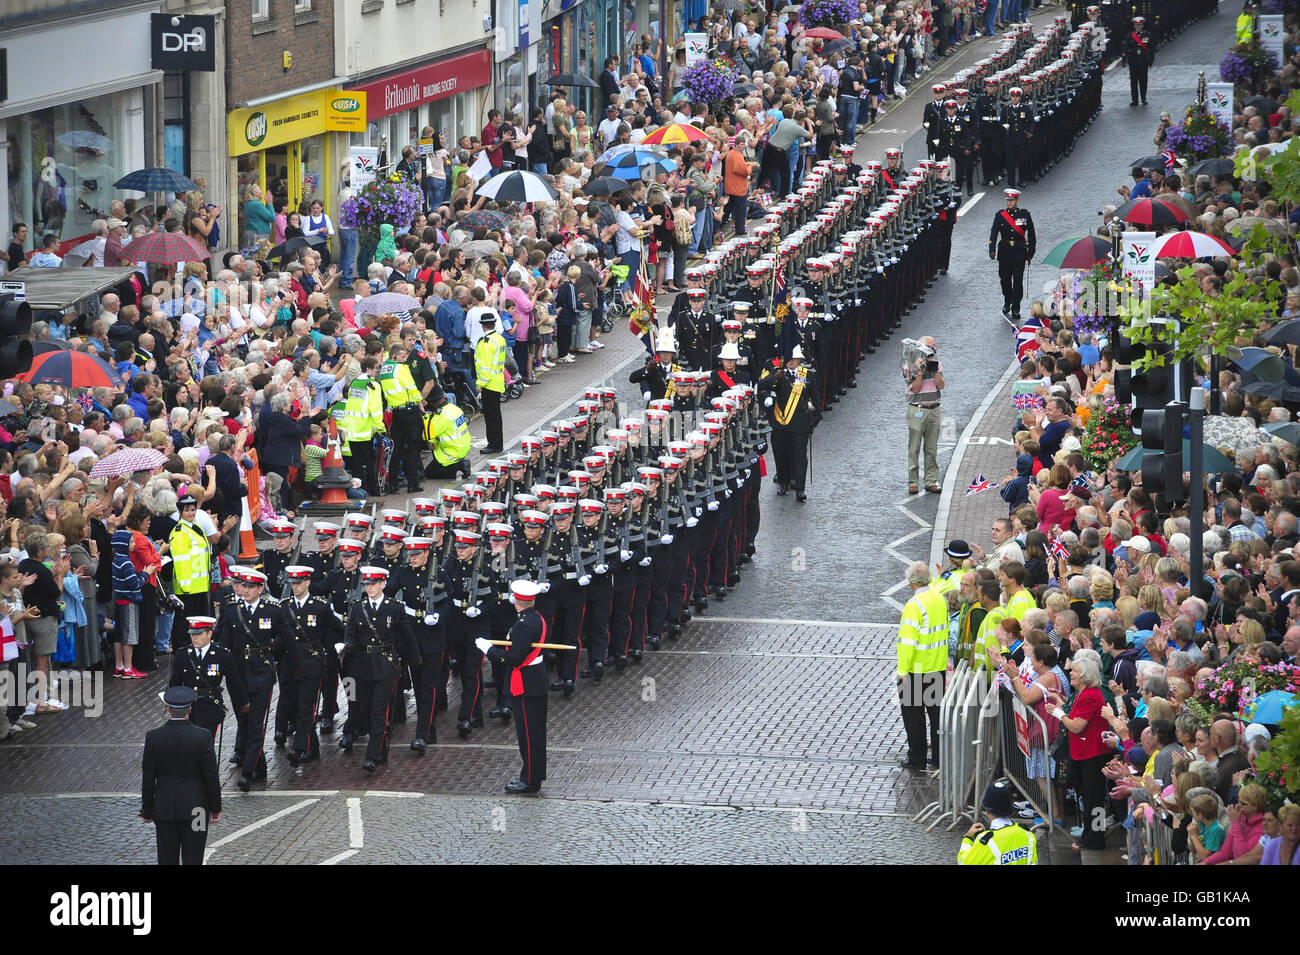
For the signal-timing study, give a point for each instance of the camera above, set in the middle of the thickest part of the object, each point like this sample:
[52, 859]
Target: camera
[931, 365]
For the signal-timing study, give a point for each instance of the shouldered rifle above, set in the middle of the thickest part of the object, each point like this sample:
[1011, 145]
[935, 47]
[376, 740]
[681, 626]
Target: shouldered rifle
[541, 568]
[286, 590]
[475, 568]
[575, 550]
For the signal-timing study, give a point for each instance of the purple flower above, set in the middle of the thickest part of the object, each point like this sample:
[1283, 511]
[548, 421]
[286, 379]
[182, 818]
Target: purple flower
[828, 12]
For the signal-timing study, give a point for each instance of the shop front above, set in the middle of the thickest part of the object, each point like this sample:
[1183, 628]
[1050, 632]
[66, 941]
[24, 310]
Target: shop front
[446, 95]
[577, 39]
[68, 133]
[292, 147]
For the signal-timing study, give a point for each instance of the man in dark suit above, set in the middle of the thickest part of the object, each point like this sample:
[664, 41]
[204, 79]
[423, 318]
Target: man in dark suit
[230, 488]
[1223, 737]
[609, 79]
[180, 792]
[529, 685]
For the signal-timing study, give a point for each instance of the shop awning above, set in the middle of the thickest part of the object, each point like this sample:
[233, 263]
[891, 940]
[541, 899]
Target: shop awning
[293, 118]
[57, 289]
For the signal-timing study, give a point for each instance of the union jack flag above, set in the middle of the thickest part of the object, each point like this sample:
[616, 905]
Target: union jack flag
[1026, 338]
[1170, 159]
[1027, 401]
[981, 483]
[86, 400]
[1059, 549]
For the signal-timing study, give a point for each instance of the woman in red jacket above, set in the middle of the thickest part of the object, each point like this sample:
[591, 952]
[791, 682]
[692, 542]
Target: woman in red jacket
[1087, 751]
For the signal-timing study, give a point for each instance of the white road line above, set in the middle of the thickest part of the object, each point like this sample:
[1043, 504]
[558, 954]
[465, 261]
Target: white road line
[254, 826]
[966, 206]
[954, 466]
[773, 654]
[393, 794]
[335, 860]
[794, 623]
[356, 831]
[297, 794]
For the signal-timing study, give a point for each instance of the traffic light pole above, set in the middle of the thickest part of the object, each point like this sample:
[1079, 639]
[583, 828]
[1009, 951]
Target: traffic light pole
[1196, 496]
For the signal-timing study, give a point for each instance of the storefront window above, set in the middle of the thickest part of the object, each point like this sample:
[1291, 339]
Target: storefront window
[312, 170]
[63, 162]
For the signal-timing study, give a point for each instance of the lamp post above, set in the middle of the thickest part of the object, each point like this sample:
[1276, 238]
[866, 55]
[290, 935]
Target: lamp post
[1196, 495]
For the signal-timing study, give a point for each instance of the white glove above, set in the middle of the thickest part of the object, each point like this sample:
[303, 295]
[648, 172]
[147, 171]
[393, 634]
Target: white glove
[431, 618]
[699, 512]
[747, 472]
[645, 562]
[601, 568]
[483, 644]
[645, 396]
[584, 580]
[472, 612]
[545, 585]
[713, 505]
[625, 555]
[666, 539]
[338, 647]
[768, 402]
[691, 522]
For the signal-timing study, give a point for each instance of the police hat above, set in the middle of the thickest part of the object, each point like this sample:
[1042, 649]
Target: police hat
[957, 550]
[179, 697]
[997, 799]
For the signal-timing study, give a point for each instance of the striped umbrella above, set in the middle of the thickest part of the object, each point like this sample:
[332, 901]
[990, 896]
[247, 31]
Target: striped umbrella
[164, 248]
[155, 180]
[128, 461]
[71, 369]
[1081, 252]
[1150, 212]
[675, 133]
[1190, 245]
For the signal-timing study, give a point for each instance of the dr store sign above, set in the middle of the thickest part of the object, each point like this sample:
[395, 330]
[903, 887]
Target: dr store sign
[183, 43]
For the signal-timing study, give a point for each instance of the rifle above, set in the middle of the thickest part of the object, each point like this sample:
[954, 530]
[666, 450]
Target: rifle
[575, 550]
[475, 568]
[540, 570]
[285, 590]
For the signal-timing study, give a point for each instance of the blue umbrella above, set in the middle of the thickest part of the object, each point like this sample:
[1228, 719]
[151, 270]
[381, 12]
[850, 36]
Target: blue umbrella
[155, 180]
[628, 166]
[1288, 431]
[85, 139]
[645, 155]
[1268, 707]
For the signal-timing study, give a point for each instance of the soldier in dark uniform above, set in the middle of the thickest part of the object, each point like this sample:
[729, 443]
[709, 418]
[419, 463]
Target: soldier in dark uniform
[377, 642]
[571, 580]
[803, 332]
[751, 306]
[695, 330]
[526, 669]
[315, 631]
[321, 560]
[745, 361]
[684, 533]
[931, 117]
[467, 591]
[500, 570]
[531, 556]
[600, 591]
[202, 666]
[627, 537]
[280, 556]
[341, 588]
[957, 140]
[792, 401]
[253, 625]
[359, 527]
[659, 552]
[419, 591]
[990, 131]
[1140, 54]
[1018, 132]
[729, 372]
[390, 542]
[1012, 243]
[180, 790]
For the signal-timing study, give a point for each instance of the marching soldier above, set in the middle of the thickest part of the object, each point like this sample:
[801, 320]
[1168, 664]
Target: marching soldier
[600, 591]
[462, 578]
[752, 306]
[202, 666]
[500, 609]
[526, 667]
[419, 589]
[280, 556]
[376, 638]
[568, 569]
[322, 559]
[745, 361]
[358, 526]
[653, 376]
[341, 589]
[390, 542]
[1012, 243]
[931, 117]
[990, 131]
[792, 400]
[957, 140]
[1140, 54]
[1018, 121]
[314, 630]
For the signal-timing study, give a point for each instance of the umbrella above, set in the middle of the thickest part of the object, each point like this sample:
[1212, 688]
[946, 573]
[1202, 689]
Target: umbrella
[488, 218]
[1261, 103]
[290, 246]
[1212, 167]
[1274, 148]
[630, 166]
[1081, 252]
[1268, 707]
[387, 303]
[604, 186]
[681, 96]
[79, 254]
[1261, 363]
[1247, 223]
[571, 79]
[824, 33]
[8, 407]
[741, 89]
[1162, 272]
[1150, 212]
[163, 248]
[1284, 333]
[50, 344]
[644, 154]
[155, 180]
[71, 369]
[1148, 162]
[85, 139]
[1233, 434]
[1189, 245]
[834, 46]
[1288, 431]
[518, 186]
[127, 461]
[675, 133]
[1215, 462]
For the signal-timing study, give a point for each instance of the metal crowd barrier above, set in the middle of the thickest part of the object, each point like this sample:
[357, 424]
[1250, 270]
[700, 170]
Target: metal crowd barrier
[968, 748]
[1160, 843]
[1014, 760]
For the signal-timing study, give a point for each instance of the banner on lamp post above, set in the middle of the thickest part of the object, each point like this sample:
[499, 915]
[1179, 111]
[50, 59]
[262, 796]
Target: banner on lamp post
[1218, 100]
[362, 162]
[1270, 36]
[697, 48]
[1138, 258]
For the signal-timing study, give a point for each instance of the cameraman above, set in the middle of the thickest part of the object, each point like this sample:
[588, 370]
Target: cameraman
[924, 388]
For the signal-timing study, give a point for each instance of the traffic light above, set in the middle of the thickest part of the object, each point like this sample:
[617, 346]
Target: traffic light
[15, 352]
[1162, 453]
[1161, 381]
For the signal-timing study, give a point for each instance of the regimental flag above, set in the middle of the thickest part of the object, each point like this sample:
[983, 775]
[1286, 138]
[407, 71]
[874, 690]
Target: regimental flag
[641, 302]
[981, 483]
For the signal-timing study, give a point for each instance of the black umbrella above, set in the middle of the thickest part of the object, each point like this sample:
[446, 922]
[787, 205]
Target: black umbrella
[1261, 103]
[50, 344]
[1212, 167]
[1284, 333]
[834, 46]
[743, 89]
[290, 246]
[1148, 162]
[1162, 272]
[605, 186]
[571, 79]
[1278, 391]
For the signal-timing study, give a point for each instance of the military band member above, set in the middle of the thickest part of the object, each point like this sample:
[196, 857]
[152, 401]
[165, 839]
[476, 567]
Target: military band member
[792, 401]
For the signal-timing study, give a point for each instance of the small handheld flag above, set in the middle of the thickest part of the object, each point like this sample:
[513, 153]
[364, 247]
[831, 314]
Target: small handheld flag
[981, 483]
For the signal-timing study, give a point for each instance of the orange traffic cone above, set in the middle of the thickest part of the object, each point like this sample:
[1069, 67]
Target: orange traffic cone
[332, 471]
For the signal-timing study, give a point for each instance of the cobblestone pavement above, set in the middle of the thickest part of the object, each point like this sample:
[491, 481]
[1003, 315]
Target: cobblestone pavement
[767, 733]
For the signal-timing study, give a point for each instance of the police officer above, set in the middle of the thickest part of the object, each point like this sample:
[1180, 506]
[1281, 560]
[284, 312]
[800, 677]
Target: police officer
[403, 399]
[180, 792]
[1012, 243]
[315, 630]
[1140, 54]
[490, 373]
[202, 666]
[361, 416]
[792, 402]
[1018, 121]
[922, 645]
[376, 636]
[447, 429]
[191, 555]
[528, 688]
[1001, 841]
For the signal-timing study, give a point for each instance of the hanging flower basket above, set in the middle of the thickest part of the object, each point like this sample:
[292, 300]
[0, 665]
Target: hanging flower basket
[828, 13]
[1199, 136]
[1107, 436]
[710, 81]
[1248, 64]
[380, 201]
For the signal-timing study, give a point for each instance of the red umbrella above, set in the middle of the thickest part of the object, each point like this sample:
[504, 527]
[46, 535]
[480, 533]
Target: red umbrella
[1190, 245]
[164, 248]
[1150, 212]
[71, 369]
[824, 33]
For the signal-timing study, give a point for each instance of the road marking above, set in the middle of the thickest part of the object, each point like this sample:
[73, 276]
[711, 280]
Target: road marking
[966, 206]
[254, 826]
[335, 860]
[356, 831]
[797, 623]
[393, 794]
[772, 654]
